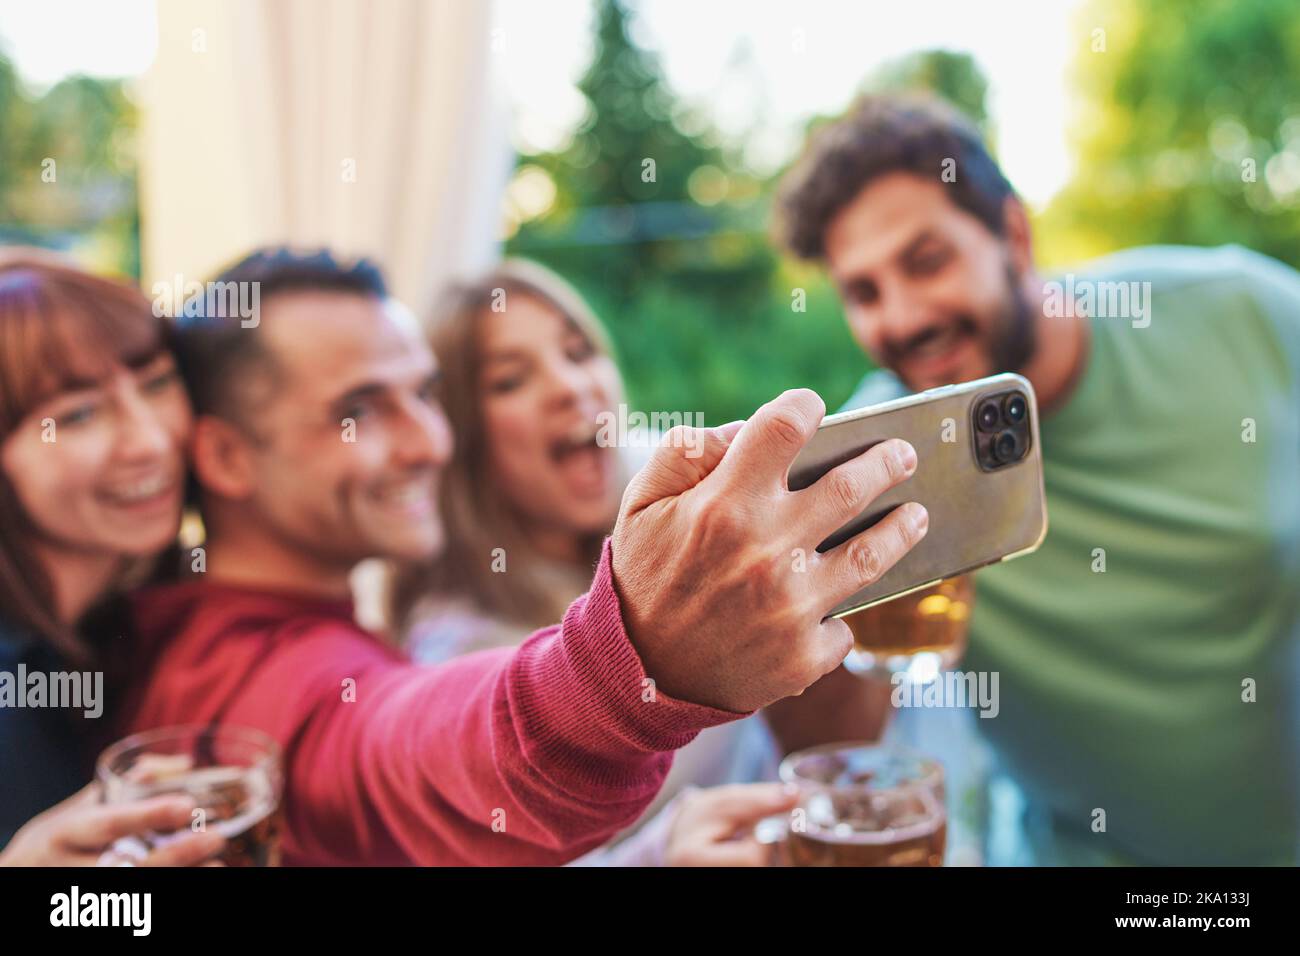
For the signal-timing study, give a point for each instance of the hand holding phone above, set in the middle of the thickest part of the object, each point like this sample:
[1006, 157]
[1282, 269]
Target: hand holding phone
[979, 475]
[723, 593]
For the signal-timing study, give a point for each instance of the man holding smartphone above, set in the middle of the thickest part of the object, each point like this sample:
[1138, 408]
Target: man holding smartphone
[1149, 652]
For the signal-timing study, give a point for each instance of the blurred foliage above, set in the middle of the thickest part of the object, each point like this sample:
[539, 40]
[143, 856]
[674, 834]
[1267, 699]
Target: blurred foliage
[68, 171]
[1180, 108]
[954, 76]
[664, 231]
[705, 313]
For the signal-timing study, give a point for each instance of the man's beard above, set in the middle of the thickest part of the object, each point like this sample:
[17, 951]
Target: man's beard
[1011, 335]
[1014, 334]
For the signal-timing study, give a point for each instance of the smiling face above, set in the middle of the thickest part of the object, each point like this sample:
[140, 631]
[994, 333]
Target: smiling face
[930, 292]
[345, 446]
[99, 467]
[542, 385]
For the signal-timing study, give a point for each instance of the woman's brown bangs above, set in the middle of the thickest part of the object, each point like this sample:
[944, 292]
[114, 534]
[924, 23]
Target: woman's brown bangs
[61, 329]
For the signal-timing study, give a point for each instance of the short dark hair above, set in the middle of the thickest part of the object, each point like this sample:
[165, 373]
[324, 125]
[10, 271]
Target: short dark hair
[214, 347]
[881, 134]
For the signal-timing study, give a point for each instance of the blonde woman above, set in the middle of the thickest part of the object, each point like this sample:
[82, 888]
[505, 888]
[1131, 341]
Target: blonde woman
[527, 378]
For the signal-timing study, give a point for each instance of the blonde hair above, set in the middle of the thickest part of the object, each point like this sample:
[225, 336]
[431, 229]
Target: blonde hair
[476, 515]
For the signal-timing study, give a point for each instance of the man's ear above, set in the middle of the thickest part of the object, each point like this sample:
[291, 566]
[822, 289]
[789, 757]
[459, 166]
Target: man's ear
[222, 458]
[1019, 237]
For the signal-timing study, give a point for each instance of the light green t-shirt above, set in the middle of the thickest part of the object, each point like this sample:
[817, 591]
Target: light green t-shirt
[1164, 690]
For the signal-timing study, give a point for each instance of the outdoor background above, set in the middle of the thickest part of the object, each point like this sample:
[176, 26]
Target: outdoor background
[1122, 122]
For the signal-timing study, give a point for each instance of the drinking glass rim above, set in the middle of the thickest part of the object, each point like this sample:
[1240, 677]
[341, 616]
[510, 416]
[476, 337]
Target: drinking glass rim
[932, 769]
[270, 759]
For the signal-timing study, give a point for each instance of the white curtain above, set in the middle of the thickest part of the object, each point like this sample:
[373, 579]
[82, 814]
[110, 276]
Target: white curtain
[370, 127]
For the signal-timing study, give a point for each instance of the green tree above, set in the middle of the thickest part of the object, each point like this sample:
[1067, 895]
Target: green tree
[15, 120]
[954, 76]
[705, 314]
[67, 168]
[623, 182]
[662, 229]
[1190, 129]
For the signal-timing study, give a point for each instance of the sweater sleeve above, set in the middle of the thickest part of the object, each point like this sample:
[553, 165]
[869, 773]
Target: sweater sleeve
[531, 755]
[648, 846]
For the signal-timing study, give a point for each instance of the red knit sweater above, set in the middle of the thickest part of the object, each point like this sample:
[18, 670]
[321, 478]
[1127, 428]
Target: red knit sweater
[554, 742]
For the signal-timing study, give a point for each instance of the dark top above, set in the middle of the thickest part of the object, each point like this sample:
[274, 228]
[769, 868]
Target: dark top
[43, 753]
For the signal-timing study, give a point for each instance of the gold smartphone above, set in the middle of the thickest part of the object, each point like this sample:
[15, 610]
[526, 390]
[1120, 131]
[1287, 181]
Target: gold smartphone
[979, 473]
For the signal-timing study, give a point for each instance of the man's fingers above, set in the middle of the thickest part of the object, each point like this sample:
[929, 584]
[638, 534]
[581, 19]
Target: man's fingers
[842, 493]
[743, 852]
[190, 850]
[762, 453]
[97, 827]
[684, 458]
[87, 796]
[863, 559]
[741, 804]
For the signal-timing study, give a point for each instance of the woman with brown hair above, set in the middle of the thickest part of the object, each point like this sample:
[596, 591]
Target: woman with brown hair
[93, 425]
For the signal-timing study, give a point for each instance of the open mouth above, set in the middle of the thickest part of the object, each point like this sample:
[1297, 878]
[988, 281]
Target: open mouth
[579, 439]
[580, 459]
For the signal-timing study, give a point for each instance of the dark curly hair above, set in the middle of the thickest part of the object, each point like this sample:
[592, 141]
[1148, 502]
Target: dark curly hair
[883, 134]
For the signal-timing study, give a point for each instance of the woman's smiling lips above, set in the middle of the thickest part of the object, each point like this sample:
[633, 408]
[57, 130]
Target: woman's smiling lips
[142, 495]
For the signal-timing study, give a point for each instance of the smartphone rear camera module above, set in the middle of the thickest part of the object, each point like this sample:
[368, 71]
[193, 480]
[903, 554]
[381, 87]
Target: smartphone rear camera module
[1002, 429]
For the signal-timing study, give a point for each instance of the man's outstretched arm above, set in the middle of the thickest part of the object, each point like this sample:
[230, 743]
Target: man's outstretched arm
[697, 615]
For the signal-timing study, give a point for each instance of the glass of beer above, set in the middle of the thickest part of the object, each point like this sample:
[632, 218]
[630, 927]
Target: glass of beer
[860, 805]
[233, 774]
[919, 634]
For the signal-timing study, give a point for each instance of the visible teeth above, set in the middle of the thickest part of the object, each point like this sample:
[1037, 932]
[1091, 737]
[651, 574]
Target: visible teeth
[139, 490]
[937, 345]
[581, 434]
[413, 493]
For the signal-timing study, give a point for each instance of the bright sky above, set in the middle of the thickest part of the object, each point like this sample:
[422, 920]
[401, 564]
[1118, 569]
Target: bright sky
[48, 39]
[805, 57]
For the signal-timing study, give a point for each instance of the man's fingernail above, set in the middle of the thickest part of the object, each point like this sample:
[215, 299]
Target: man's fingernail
[907, 457]
[918, 517]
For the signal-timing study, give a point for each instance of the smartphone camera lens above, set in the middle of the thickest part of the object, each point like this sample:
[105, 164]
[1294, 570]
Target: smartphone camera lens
[1006, 447]
[988, 416]
[1015, 408]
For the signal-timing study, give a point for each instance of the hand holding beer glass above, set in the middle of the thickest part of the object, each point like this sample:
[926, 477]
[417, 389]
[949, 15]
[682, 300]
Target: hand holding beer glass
[233, 775]
[860, 805]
